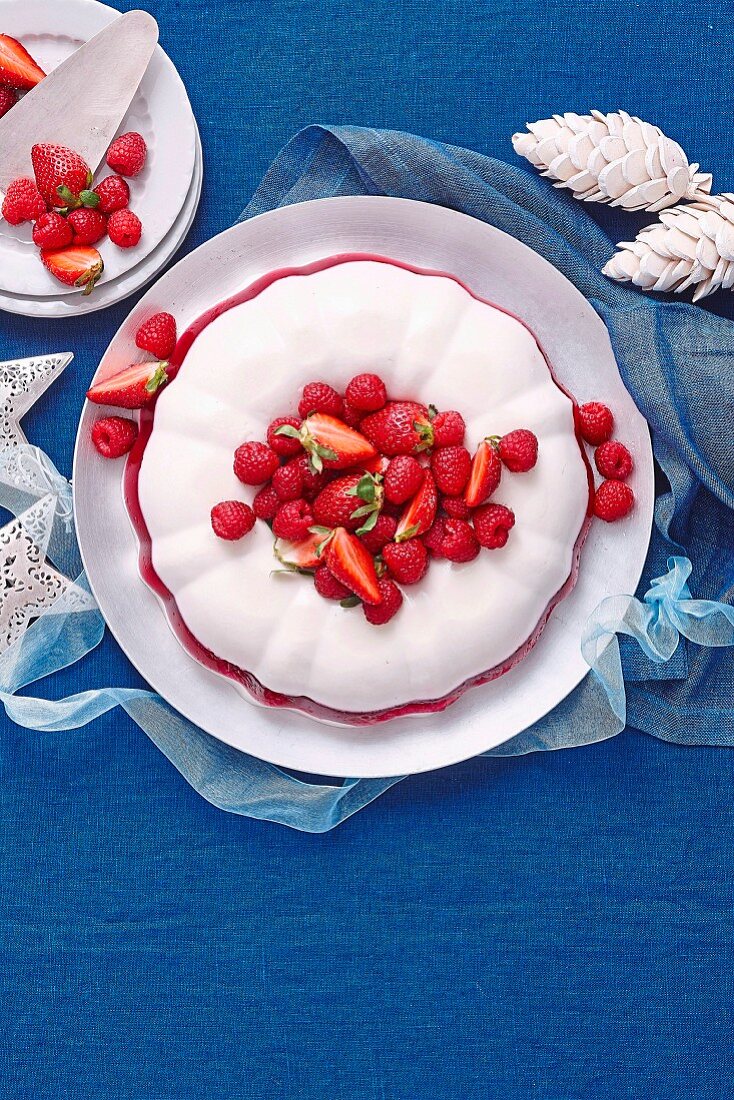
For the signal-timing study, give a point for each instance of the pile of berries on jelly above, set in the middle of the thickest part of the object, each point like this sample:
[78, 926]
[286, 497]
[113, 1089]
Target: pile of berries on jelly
[362, 492]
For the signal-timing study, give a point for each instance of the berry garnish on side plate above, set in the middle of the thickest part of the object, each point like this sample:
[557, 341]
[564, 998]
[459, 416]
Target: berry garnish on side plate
[61, 175]
[8, 99]
[127, 154]
[89, 226]
[17, 67]
[133, 388]
[614, 460]
[124, 228]
[113, 193]
[52, 231]
[23, 202]
[76, 265]
[114, 436]
[595, 423]
[613, 501]
[158, 335]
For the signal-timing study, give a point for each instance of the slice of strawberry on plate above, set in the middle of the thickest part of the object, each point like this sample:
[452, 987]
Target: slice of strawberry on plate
[76, 265]
[17, 67]
[418, 517]
[300, 556]
[486, 471]
[350, 562]
[132, 388]
[331, 443]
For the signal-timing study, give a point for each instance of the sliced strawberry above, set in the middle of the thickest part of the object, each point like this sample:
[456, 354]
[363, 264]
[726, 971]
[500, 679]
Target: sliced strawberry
[486, 471]
[78, 265]
[300, 555]
[332, 444]
[17, 67]
[132, 388]
[421, 511]
[352, 564]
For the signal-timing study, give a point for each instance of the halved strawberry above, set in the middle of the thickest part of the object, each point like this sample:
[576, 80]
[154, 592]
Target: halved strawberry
[421, 511]
[62, 176]
[76, 265]
[486, 471]
[132, 388]
[17, 67]
[331, 444]
[300, 556]
[350, 562]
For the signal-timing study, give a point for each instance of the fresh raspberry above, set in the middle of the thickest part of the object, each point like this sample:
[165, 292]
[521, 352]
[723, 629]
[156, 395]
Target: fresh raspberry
[318, 397]
[459, 543]
[519, 450]
[352, 417]
[613, 500]
[89, 225]
[8, 99]
[124, 228]
[407, 561]
[23, 202]
[613, 460]
[456, 507]
[400, 428]
[595, 422]
[389, 605]
[313, 480]
[255, 463]
[127, 154]
[382, 533]
[328, 586]
[492, 524]
[114, 194]
[52, 231]
[448, 429]
[366, 392]
[232, 519]
[292, 520]
[288, 481]
[403, 479]
[451, 468]
[158, 335]
[433, 538]
[284, 445]
[266, 503]
[113, 436]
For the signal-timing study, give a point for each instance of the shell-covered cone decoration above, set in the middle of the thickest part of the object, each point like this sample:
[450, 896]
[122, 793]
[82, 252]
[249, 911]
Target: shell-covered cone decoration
[690, 246]
[615, 158]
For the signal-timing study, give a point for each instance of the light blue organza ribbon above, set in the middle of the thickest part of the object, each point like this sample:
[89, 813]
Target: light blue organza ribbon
[673, 357]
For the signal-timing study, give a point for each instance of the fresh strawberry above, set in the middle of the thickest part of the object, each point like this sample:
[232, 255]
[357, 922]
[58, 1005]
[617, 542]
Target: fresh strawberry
[448, 429]
[328, 586]
[353, 502]
[266, 503]
[127, 154]
[284, 445]
[77, 265]
[492, 525]
[613, 460]
[17, 67]
[132, 388]
[451, 468]
[382, 533]
[519, 450]
[288, 481]
[401, 427]
[302, 555]
[421, 512]
[89, 226]
[52, 231]
[61, 175]
[23, 202]
[391, 599]
[366, 393]
[351, 563]
[459, 543]
[406, 561]
[232, 519]
[319, 397]
[113, 194]
[330, 443]
[254, 463]
[613, 500]
[8, 99]
[158, 335]
[125, 228]
[486, 471]
[403, 479]
[456, 507]
[595, 423]
[113, 436]
[293, 520]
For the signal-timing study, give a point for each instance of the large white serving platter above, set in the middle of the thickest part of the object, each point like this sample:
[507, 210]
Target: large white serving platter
[498, 268]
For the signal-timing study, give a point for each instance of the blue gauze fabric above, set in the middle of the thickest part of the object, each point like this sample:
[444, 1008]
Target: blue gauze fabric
[676, 361]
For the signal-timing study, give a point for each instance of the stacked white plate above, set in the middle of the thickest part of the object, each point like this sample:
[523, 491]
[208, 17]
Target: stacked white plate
[165, 195]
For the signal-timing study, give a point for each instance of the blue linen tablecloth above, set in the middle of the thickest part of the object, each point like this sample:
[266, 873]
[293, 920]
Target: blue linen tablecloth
[557, 926]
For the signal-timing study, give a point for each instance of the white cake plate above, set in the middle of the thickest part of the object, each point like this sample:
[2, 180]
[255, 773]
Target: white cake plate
[498, 268]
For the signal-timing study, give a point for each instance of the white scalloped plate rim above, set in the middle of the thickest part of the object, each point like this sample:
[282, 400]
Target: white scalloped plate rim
[495, 266]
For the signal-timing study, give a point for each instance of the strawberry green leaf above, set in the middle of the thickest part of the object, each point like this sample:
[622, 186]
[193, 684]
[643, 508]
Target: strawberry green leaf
[350, 601]
[325, 452]
[90, 199]
[289, 430]
[365, 510]
[408, 533]
[368, 524]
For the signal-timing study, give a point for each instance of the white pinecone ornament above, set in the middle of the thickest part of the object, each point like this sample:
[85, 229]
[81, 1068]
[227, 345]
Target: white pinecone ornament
[615, 158]
[689, 246]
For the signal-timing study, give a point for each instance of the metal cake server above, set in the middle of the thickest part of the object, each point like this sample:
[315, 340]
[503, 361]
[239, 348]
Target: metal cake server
[83, 101]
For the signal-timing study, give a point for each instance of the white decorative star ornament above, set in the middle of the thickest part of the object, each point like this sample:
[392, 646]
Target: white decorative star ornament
[29, 585]
[22, 381]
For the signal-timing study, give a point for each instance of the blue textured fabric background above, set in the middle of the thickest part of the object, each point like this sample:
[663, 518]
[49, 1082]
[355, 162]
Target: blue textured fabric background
[557, 926]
